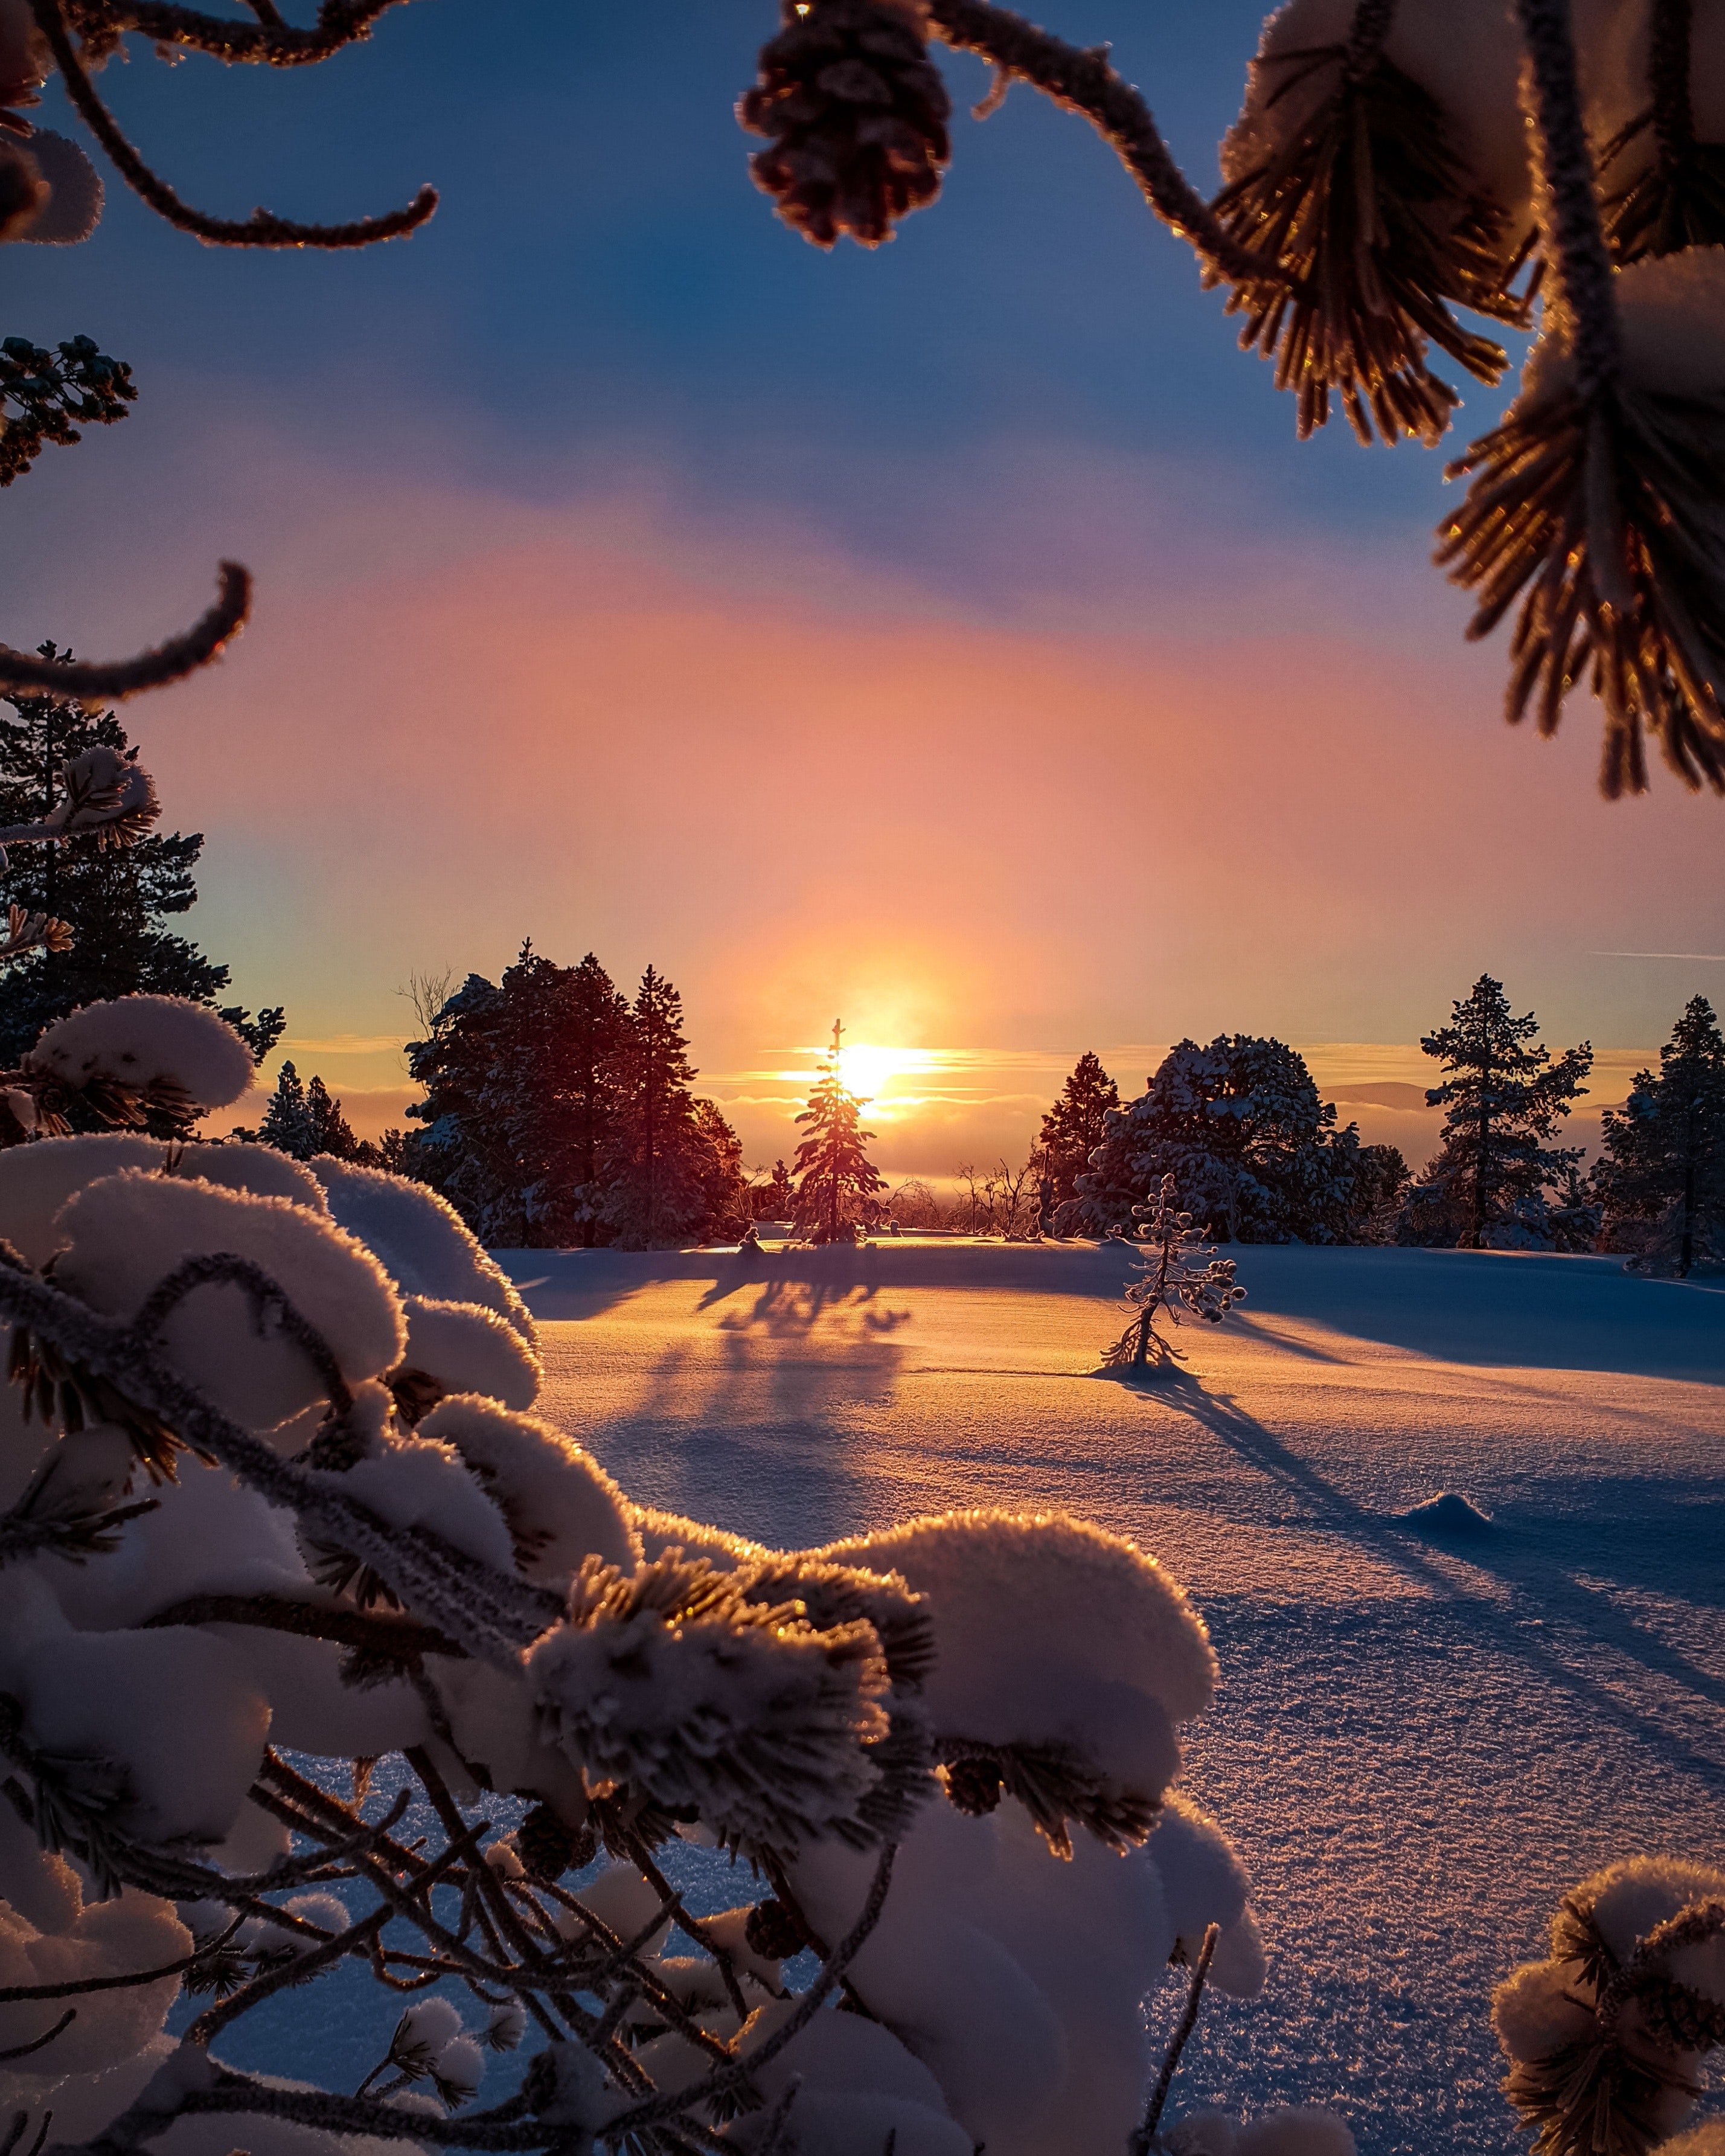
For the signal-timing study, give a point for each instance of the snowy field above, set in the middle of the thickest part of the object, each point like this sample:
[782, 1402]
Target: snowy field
[1425, 1733]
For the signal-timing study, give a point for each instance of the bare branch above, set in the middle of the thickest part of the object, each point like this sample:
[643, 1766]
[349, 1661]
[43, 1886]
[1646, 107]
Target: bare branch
[154, 669]
[1084, 82]
[262, 229]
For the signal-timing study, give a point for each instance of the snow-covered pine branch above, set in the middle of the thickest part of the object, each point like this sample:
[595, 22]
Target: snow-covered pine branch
[273, 1485]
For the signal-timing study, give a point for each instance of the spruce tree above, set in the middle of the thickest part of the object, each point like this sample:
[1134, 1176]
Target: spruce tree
[305, 1120]
[115, 899]
[1504, 1098]
[1662, 1177]
[1073, 1128]
[658, 1150]
[593, 1032]
[837, 1179]
[286, 1124]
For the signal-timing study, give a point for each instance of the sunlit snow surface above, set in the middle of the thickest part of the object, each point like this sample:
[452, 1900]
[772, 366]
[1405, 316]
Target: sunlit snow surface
[1423, 1734]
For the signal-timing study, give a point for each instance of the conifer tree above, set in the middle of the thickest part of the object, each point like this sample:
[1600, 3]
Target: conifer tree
[837, 1179]
[286, 1124]
[1662, 1176]
[1073, 1128]
[114, 899]
[1504, 1098]
[303, 1119]
[593, 1030]
[660, 1154]
[1242, 1127]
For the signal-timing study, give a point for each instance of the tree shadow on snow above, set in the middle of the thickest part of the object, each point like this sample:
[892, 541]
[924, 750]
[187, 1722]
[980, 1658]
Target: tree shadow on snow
[1559, 1570]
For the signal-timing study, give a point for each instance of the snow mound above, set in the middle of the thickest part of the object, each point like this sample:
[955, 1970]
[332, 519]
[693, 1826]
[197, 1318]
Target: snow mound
[1448, 1513]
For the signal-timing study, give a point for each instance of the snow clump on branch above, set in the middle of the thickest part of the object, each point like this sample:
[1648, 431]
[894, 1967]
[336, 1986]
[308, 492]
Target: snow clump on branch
[145, 1043]
[127, 1233]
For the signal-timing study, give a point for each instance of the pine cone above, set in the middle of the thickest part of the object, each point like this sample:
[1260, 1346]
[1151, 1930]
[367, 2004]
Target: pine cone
[973, 1786]
[855, 112]
[549, 1846]
[771, 1932]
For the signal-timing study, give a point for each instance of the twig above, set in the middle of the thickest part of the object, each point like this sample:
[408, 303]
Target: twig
[1141, 2142]
[1084, 82]
[263, 228]
[59, 2029]
[172, 661]
[725, 2079]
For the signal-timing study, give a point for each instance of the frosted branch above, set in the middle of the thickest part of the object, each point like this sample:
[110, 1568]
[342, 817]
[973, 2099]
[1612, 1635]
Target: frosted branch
[1084, 81]
[262, 229]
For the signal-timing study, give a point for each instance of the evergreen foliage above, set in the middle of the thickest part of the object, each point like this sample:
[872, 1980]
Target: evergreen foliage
[1662, 1176]
[557, 1113]
[1177, 1270]
[1241, 1128]
[303, 1119]
[1072, 1129]
[836, 1181]
[1505, 1098]
[114, 899]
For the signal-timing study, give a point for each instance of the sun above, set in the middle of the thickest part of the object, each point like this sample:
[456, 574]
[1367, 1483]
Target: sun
[866, 1066]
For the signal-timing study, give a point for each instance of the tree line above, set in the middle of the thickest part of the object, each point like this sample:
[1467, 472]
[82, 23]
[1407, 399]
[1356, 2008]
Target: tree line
[559, 1111]
[1258, 1156]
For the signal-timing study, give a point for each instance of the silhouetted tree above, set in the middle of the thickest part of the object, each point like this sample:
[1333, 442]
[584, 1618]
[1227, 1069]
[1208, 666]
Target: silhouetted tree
[835, 1179]
[1073, 1128]
[114, 899]
[1662, 1176]
[1504, 1099]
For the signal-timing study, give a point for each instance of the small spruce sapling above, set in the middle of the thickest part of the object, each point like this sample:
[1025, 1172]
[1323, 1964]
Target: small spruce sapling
[1178, 1270]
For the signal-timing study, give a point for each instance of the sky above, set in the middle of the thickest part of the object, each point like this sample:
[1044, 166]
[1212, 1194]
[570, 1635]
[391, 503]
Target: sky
[952, 637]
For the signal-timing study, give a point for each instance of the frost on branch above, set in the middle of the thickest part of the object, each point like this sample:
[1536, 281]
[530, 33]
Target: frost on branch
[419, 1238]
[1178, 1272]
[560, 1505]
[1063, 1658]
[1388, 183]
[1605, 2039]
[460, 1348]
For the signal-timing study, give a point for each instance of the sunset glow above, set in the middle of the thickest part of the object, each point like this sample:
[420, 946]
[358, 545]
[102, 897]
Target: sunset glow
[867, 1067]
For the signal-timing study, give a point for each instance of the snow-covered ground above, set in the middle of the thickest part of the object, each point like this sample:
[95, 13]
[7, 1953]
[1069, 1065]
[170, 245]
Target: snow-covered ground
[1425, 1731]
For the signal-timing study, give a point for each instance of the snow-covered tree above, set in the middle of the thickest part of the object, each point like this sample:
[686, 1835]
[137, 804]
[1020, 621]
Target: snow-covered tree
[116, 900]
[1072, 1129]
[836, 1180]
[1662, 1176]
[1241, 1128]
[303, 1119]
[1178, 1272]
[1505, 1094]
[590, 1038]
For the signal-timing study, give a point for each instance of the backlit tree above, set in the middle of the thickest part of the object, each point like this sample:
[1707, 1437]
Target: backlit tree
[1504, 1097]
[836, 1180]
[1073, 1128]
[1662, 1177]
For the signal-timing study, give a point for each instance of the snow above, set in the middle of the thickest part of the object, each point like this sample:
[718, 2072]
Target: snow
[1420, 1742]
[128, 1232]
[418, 1238]
[467, 1349]
[146, 1040]
[1448, 1513]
